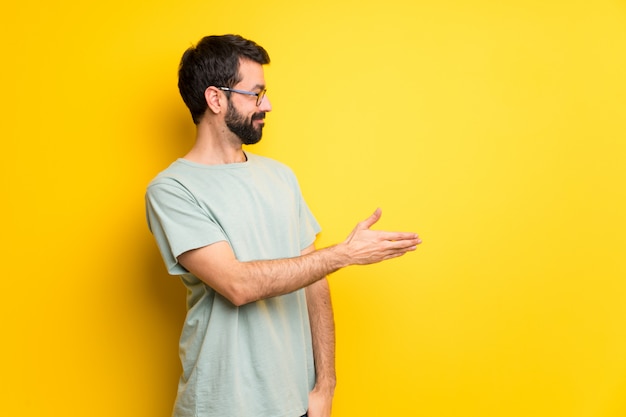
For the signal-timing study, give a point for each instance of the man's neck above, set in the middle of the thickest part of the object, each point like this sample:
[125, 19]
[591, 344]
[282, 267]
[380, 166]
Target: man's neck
[215, 147]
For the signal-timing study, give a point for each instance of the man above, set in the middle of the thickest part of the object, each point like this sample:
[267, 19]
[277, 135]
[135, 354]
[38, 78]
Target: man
[258, 339]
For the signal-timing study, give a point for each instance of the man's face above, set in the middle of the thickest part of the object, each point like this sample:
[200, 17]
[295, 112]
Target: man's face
[243, 117]
[244, 127]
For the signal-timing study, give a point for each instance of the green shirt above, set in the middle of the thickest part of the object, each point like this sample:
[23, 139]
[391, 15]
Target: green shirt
[254, 360]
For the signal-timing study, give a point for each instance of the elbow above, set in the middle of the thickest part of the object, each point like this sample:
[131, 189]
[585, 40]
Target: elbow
[237, 300]
[230, 286]
[238, 295]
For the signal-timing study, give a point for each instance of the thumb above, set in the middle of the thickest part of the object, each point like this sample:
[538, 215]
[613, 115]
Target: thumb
[371, 220]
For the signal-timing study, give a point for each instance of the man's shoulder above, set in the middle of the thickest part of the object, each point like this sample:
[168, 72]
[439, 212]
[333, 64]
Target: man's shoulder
[170, 175]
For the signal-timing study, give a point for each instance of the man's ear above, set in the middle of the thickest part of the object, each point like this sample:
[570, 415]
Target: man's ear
[213, 97]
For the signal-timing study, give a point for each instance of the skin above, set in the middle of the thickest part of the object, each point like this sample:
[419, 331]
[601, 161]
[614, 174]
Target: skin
[246, 282]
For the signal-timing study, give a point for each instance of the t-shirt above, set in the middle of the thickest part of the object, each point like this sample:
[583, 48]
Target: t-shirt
[256, 359]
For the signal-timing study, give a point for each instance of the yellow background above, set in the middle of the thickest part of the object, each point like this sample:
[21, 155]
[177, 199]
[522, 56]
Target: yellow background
[494, 129]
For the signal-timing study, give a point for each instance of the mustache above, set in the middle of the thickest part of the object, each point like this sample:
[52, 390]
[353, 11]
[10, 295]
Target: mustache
[258, 116]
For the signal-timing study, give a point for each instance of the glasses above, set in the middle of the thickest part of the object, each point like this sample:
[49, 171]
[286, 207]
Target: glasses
[259, 96]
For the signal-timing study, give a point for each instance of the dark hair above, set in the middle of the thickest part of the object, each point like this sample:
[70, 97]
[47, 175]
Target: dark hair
[214, 61]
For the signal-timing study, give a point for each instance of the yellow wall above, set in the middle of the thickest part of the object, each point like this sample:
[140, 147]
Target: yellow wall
[494, 129]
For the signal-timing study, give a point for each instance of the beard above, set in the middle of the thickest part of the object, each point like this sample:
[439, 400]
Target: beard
[243, 128]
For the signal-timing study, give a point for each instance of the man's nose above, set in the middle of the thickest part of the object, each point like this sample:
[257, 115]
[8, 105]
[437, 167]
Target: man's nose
[265, 104]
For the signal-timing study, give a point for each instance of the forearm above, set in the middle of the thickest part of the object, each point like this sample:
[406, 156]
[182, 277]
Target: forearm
[322, 334]
[264, 279]
[257, 280]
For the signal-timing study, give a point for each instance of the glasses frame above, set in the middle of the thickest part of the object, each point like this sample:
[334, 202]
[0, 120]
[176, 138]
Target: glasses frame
[259, 96]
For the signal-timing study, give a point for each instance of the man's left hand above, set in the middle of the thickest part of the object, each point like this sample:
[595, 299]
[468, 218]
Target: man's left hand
[320, 403]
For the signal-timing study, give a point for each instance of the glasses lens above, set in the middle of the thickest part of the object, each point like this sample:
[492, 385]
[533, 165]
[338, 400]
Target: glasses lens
[259, 98]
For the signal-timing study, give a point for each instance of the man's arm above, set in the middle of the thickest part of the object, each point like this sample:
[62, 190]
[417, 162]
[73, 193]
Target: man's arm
[323, 336]
[245, 282]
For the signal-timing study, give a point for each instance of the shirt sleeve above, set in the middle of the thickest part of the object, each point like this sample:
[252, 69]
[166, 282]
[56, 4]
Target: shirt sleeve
[178, 222]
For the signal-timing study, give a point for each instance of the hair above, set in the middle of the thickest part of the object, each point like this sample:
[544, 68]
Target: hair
[214, 61]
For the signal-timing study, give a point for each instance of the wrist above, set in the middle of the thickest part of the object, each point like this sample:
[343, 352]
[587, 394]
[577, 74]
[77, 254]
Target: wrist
[338, 256]
[325, 385]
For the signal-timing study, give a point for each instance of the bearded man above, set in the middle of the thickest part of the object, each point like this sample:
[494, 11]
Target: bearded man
[258, 339]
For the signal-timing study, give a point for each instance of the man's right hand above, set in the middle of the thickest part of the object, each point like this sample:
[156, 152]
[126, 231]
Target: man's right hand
[365, 246]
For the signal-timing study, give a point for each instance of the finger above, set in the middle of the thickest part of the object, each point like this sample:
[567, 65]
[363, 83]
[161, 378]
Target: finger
[395, 252]
[401, 244]
[384, 235]
[371, 220]
[394, 255]
[400, 250]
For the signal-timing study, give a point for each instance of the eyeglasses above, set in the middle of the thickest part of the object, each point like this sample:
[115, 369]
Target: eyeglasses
[259, 96]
